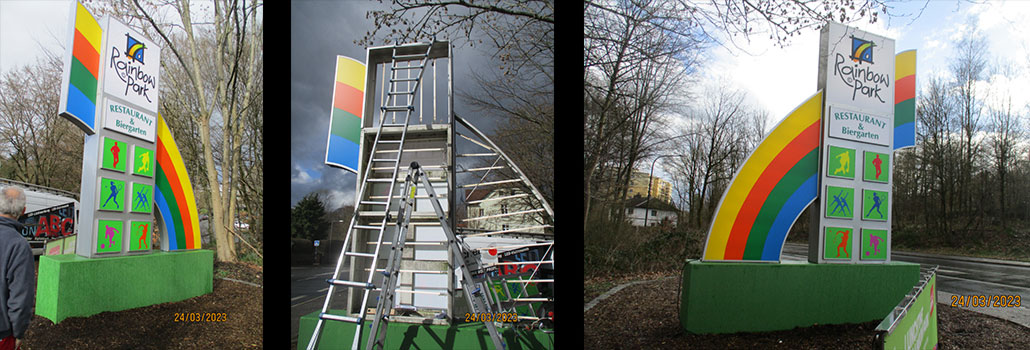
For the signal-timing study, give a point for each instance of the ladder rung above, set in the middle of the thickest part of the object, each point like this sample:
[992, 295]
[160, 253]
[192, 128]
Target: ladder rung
[364, 255]
[374, 203]
[380, 180]
[395, 125]
[389, 141]
[413, 243]
[503, 215]
[484, 168]
[384, 160]
[506, 231]
[441, 167]
[499, 198]
[419, 292]
[477, 155]
[530, 281]
[408, 67]
[351, 283]
[403, 79]
[396, 109]
[401, 92]
[367, 227]
[340, 318]
[404, 57]
[399, 196]
[491, 183]
[532, 300]
[415, 271]
[409, 150]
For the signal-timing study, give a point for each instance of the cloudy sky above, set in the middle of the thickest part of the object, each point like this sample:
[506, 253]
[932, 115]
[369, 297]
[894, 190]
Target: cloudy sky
[318, 32]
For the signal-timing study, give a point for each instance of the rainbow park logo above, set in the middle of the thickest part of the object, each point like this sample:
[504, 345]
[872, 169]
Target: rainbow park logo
[134, 49]
[861, 50]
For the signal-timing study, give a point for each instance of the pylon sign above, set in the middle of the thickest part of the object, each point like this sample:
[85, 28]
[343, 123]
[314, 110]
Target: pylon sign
[857, 75]
[118, 177]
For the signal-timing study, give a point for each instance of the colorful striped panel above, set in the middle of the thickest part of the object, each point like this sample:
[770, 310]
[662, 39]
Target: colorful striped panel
[345, 120]
[765, 197]
[173, 194]
[905, 99]
[80, 102]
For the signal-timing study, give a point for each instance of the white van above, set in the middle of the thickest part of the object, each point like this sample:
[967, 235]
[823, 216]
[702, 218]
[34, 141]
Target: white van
[39, 198]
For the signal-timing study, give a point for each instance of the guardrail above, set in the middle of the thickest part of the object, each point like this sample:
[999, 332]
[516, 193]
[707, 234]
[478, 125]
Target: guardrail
[886, 329]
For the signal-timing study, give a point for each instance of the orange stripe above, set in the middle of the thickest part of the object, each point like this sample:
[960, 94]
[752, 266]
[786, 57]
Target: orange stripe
[905, 89]
[86, 53]
[795, 150]
[166, 163]
[348, 98]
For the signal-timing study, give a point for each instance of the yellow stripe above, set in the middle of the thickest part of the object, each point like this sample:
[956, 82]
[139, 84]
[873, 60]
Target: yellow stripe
[351, 72]
[726, 214]
[86, 24]
[905, 64]
[165, 136]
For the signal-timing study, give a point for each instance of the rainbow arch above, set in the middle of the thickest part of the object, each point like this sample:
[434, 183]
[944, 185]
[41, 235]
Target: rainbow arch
[777, 182]
[173, 194]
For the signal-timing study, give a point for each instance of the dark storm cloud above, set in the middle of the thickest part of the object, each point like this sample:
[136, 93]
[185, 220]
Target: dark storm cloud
[318, 32]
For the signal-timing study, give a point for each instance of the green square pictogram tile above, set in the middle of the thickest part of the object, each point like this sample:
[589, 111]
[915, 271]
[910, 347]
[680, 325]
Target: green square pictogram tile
[874, 244]
[874, 205]
[139, 235]
[837, 243]
[142, 198]
[877, 167]
[840, 202]
[115, 155]
[143, 161]
[112, 195]
[109, 236]
[840, 162]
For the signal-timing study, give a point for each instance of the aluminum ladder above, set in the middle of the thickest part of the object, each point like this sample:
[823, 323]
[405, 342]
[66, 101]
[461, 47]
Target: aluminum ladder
[399, 100]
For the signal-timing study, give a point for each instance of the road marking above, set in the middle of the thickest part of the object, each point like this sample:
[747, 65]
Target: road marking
[295, 298]
[985, 282]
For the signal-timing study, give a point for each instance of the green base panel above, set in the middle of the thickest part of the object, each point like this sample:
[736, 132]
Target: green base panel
[340, 335]
[757, 297]
[72, 286]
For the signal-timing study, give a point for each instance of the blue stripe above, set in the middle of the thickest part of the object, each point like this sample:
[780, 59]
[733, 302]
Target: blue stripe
[81, 107]
[904, 135]
[342, 152]
[167, 226]
[797, 202]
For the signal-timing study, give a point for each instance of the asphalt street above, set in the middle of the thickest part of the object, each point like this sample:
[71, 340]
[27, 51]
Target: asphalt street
[964, 276]
[307, 292]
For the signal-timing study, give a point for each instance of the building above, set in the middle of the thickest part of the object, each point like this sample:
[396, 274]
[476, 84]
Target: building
[641, 212]
[660, 189]
[484, 203]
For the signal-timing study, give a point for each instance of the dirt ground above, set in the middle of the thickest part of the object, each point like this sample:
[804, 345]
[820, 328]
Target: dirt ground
[154, 327]
[623, 321]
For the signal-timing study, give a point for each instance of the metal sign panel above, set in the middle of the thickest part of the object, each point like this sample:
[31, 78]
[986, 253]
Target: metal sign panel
[853, 221]
[345, 115]
[81, 70]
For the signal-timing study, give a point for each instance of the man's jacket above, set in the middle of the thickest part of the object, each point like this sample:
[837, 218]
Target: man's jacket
[17, 280]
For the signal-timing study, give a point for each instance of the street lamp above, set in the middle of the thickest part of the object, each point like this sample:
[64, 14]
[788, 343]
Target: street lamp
[650, 179]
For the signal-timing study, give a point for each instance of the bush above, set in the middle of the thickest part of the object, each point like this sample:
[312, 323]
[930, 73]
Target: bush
[614, 249]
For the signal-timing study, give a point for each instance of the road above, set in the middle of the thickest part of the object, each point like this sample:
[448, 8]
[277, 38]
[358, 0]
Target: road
[307, 292]
[964, 276]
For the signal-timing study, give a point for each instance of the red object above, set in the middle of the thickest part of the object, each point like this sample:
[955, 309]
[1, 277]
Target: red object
[551, 315]
[492, 251]
[7, 343]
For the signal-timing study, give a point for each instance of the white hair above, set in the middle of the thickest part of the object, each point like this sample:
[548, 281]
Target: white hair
[12, 201]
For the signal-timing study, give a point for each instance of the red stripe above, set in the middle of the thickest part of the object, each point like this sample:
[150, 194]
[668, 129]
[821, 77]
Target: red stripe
[348, 98]
[800, 146]
[180, 199]
[86, 53]
[905, 89]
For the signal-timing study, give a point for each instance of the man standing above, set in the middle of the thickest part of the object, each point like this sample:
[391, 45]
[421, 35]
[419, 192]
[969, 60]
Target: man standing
[17, 275]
